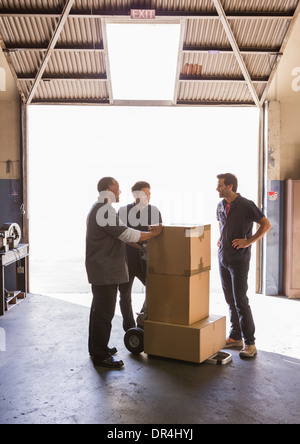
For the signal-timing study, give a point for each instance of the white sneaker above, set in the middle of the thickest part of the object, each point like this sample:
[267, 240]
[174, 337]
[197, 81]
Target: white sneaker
[249, 351]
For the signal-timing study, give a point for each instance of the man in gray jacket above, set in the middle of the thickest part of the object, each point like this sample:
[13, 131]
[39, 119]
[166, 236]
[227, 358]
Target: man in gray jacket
[106, 267]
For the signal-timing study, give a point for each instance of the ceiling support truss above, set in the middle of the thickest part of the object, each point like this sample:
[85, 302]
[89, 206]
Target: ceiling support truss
[50, 48]
[236, 51]
[30, 73]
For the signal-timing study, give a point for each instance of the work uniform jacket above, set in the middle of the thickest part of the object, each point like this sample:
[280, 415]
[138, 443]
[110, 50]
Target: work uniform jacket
[106, 261]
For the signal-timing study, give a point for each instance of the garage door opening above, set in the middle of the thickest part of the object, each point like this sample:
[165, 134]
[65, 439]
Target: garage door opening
[178, 150]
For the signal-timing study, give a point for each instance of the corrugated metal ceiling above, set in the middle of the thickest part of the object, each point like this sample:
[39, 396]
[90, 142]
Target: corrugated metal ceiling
[228, 53]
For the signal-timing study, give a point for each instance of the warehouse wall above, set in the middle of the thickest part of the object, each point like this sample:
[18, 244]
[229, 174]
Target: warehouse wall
[283, 155]
[10, 147]
[285, 89]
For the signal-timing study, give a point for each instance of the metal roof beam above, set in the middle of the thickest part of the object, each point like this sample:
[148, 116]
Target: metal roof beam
[70, 102]
[65, 48]
[99, 48]
[236, 50]
[142, 103]
[222, 79]
[213, 103]
[179, 58]
[55, 37]
[125, 14]
[65, 77]
[217, 50]
[107, 64]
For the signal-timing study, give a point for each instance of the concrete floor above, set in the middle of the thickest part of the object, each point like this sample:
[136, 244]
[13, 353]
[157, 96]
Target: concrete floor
[46, 376]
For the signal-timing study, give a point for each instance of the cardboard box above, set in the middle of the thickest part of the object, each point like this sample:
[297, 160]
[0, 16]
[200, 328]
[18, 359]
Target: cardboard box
[180, 250]
[193, 343]
[178, 299]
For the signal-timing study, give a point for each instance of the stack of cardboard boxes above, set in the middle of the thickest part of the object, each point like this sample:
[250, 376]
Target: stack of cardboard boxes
[179, 325]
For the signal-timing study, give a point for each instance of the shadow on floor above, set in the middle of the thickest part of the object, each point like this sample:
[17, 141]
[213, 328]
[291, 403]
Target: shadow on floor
[46, 377]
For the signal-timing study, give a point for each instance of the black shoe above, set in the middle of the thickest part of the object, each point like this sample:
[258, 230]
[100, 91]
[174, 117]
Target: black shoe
[112, 351]
[108, 362]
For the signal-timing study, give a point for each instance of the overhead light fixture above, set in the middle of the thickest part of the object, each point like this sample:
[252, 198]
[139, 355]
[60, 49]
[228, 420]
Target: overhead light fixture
[143, 60]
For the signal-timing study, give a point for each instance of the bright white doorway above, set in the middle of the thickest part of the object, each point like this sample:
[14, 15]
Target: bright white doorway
[178, 150]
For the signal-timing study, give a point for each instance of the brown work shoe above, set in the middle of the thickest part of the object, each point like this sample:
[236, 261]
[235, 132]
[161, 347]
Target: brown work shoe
[249, 351]
[232, 343]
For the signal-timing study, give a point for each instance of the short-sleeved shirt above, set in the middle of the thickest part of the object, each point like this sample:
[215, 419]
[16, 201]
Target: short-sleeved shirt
[106, 262]
[237, 224]
[139, 220]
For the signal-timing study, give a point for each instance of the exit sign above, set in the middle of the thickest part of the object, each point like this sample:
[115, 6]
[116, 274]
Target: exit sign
[142, 14]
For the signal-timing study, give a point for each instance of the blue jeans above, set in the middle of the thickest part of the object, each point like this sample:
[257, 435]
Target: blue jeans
[234, 278]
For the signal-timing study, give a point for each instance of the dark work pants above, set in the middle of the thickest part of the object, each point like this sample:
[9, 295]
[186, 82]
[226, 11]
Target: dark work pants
[125, 297]
[101, 315]
[234, 278]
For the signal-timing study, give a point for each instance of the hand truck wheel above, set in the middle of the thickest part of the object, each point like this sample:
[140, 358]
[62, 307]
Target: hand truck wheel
[134, 340]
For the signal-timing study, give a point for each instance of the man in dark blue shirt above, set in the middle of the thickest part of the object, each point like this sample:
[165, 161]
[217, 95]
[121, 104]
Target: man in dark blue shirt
[236, 216]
